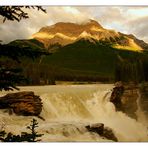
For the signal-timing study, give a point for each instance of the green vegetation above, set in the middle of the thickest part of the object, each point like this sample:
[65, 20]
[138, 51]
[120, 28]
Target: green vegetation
[16, 13]
[87, 61]
[12, 54]
[28, 137]
[82, 61]
[31, 43]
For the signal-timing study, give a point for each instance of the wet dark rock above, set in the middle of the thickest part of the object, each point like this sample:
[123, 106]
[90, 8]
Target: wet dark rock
[144, 98]
[124, 97]
[104, 132]
[117, 94]
[22, 103]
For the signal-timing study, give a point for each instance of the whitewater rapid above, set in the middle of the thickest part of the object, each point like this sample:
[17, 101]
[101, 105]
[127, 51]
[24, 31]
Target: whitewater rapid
[67, 109]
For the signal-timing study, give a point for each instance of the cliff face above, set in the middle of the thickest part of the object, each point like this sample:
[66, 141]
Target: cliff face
[124, 97]
[129, 100]
[144, 98]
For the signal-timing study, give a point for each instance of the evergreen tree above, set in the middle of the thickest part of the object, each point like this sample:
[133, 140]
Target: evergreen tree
[10, 75]
[28, 137]
[16, 13]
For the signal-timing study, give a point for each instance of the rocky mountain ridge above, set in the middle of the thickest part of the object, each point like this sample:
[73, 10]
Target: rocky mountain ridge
[66, 33]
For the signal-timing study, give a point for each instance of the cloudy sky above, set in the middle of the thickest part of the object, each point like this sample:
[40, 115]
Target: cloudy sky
[130, 20]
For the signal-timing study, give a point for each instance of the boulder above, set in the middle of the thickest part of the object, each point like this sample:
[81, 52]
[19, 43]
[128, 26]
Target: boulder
[97, 128]
[124, 97]
[22, 103]
[104, 132]
[144, 98]
[116, 95]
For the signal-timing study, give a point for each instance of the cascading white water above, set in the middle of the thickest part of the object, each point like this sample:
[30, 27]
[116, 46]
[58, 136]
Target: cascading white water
[67, 109]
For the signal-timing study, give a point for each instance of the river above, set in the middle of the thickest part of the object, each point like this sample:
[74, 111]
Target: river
[68, 108]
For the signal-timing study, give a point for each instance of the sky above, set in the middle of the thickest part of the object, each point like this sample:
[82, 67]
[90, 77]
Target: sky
[129, 20]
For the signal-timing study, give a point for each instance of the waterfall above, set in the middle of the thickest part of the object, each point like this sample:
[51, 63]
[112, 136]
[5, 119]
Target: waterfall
[68, 109]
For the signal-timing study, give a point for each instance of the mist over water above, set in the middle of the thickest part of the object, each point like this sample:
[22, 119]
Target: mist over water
[67, 109]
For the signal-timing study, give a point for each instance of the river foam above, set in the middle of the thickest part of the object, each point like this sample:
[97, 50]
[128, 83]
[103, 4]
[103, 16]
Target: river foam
[68, 109]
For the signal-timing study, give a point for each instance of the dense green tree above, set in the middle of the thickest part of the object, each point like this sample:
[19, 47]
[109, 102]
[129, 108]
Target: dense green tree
[11, 75]
[17, 13]
[127, 71]
[32, 136]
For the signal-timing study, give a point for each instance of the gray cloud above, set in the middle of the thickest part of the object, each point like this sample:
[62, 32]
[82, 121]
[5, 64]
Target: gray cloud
[12, 30]
[139, 27]
[117, 18]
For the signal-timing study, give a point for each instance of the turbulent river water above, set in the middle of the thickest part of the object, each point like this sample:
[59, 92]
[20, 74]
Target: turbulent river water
[67, 109]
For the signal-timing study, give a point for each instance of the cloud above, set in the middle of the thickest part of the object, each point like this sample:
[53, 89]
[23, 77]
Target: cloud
[130, 20]
[139, 27]
[67, 14]
[124, 19]
[12, 30]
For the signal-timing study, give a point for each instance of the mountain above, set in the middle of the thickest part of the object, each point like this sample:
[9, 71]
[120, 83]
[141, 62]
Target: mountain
[31, 43]
[87, 61]
[88, 51]
[84, 52]
[62, 34]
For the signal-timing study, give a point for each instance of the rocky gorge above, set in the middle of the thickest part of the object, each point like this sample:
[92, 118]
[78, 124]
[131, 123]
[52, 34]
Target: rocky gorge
[124, 97]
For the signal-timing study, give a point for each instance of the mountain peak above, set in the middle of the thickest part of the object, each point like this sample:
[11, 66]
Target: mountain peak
[65, 33]
[93, 23]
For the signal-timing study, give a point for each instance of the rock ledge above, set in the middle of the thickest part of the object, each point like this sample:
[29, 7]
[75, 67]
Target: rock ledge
[22, 103]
